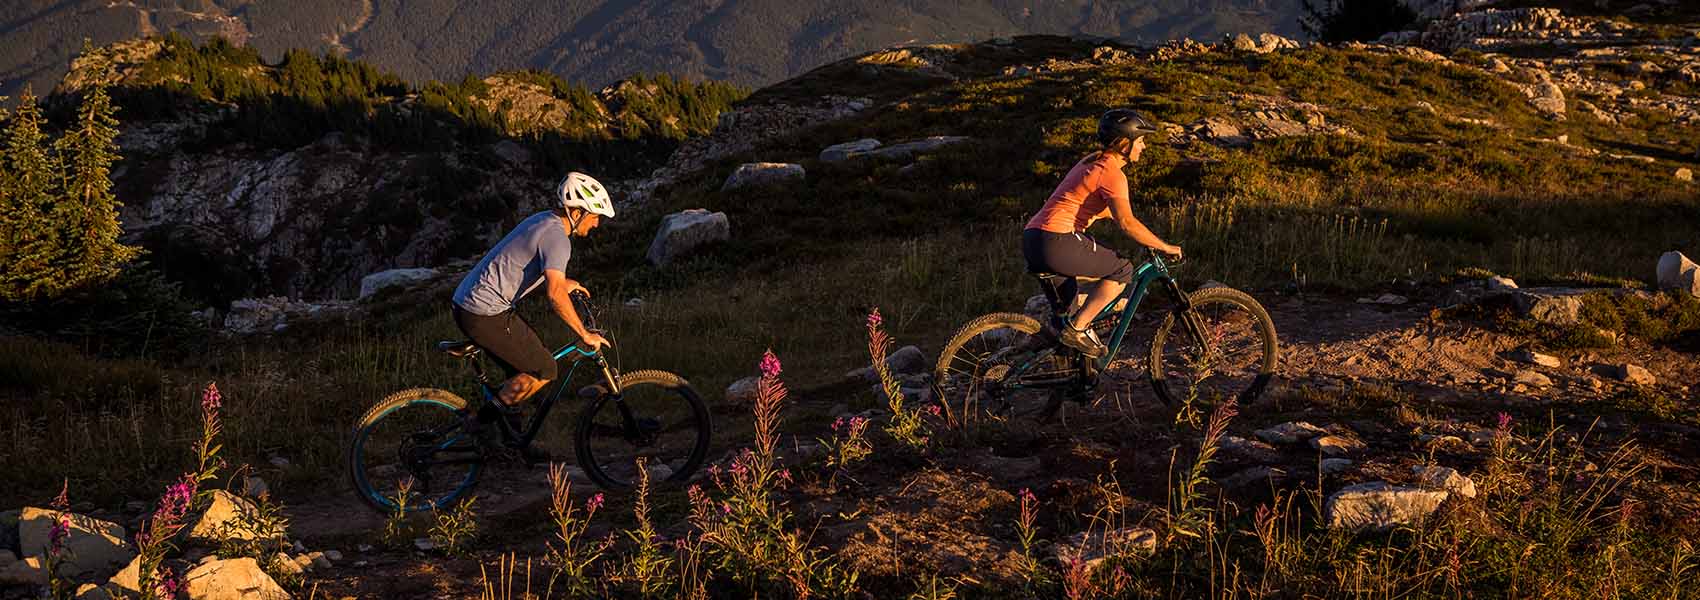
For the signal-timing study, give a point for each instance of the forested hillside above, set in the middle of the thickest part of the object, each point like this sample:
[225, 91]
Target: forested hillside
[597, 41]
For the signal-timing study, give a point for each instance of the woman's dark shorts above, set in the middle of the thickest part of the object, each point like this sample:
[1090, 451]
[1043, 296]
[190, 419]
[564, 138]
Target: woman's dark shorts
[509, 339]
[1073, 254]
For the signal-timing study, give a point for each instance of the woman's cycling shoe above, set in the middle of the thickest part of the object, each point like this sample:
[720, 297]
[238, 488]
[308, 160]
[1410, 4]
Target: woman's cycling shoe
[1080, 340]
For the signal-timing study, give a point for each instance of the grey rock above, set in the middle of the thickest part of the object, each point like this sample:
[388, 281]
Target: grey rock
[89, 591]
[684, 231]
[1684, 174]
[1251, 450]
[225, 518]
[1379, 506]
[1532, 378]
[762, 174]
[320, 561]
[1096, 546]
[1291, 432]
[1336, 445]
[1528, 356]
[1014, 468]
[282, 564]
[1387, 299]
[848, 150]
[1631, 374]
[1258, 475]
[1332, 466]
[1676, 272]
[27, 571]
[254, 487]
[233, 579]
[907, 150]
[743, 391]
[907, 360]
[372, 284]
[1445, 478]
[95, 549]
[424, 544]
[1499, 283]
[1561, 306]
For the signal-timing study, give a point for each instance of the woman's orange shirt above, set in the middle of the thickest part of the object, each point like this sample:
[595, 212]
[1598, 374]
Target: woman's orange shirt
[1083, 196]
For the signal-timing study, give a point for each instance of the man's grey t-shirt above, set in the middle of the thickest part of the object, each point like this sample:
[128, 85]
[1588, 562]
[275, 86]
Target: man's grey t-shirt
[515, 266]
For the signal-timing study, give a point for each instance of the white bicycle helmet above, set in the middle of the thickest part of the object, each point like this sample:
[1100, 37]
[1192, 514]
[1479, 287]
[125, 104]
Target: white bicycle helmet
[583, 191]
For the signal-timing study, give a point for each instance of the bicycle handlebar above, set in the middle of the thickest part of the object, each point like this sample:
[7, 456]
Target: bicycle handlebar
[581, 303]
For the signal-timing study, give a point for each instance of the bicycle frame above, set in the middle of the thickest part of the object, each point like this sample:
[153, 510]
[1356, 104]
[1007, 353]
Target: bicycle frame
[529, 433]
[1153, 271]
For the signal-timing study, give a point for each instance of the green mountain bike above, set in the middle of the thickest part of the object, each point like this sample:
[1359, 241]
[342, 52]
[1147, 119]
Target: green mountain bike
[1214, 344]
[426, 447]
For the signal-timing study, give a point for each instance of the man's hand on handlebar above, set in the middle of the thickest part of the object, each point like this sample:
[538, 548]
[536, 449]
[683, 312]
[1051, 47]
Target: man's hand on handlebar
[1172, 251]
[595, 341]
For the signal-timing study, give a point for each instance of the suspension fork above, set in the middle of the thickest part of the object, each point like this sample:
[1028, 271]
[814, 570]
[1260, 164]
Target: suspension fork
[1189, 319]
[628, 421]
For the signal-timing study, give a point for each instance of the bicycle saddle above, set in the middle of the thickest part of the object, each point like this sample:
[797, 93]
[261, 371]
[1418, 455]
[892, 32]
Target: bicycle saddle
[458, 348]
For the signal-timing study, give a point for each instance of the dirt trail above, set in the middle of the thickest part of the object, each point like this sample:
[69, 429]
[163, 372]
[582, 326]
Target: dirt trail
[1328, 344]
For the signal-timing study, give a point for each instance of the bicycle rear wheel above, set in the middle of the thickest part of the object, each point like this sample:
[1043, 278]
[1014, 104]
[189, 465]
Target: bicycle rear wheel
[412, 452]
[982, 368]
[1228, 352]
[657, 416]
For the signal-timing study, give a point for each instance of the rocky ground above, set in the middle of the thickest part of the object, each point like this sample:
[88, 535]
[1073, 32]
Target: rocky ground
[1383, 404]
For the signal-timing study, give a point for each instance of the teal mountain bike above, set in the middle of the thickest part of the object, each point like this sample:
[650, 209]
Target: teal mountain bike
[1214, 344]
[432, 444]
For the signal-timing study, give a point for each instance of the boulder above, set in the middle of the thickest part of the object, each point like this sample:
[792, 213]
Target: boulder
[1676, 272]
[21, 571]
[95, 549]
[1547, 98]
[1379, 506]
[1259, 475]
[1561, 306]
[1097, 545]
[128, 579]
[743, 391]
[372, 284]
[909, 150]
[1337, 445]
[682, 232]
[1532, 357]
[89, 591]
[1630, 374]
[1250, 450]
[233, 579]
[225, 518]
[848, 150]
[1499, 284]
[906, 361]
[1445, 478]
[761, 174]
[1332, 466]
[1684, 174]
[1291, 432]
[1532, 379]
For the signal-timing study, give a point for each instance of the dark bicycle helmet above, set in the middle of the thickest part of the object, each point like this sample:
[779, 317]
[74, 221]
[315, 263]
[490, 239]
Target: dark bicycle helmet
[1122, 123]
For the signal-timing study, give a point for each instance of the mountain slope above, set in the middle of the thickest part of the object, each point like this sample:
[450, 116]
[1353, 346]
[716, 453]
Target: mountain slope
[598, 41]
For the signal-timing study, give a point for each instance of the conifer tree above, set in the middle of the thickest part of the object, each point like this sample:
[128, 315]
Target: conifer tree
[26, 238]
[86, 213]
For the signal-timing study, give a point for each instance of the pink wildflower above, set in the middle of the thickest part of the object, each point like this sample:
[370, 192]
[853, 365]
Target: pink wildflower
[837, 423]
[211, 399]
[725, 508]
[593, 503]
[770, 366]
[1504, 422]
[166, 584]
[785, 475]
[933, 410]
[874, 318]
[1026, 495]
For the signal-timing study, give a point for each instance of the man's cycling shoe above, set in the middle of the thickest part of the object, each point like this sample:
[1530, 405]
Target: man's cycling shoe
[1080, 340]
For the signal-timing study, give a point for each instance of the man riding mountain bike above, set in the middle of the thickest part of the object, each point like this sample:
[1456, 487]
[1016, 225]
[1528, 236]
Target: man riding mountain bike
[1055, 241]
[533, 255]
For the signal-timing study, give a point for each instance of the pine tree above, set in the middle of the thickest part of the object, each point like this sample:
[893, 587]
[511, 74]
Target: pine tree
[26, 238]
[86, 213]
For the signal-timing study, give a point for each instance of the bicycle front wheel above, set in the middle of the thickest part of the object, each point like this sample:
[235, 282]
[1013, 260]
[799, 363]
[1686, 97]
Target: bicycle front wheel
[1223, 348]
[983, 369]
[412, 452]
[656, 417]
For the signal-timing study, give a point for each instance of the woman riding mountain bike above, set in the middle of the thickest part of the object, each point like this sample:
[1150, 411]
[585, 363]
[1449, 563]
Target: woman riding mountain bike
[1055, 239]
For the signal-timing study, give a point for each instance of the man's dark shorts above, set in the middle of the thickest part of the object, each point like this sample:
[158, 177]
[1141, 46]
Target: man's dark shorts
[1073, 254]
[509, 339]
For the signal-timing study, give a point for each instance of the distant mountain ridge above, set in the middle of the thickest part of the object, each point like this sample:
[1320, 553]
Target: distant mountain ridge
[750, 42]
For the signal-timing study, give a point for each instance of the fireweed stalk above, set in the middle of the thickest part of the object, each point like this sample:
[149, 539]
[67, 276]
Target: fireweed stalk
[571, 553]
[60, 587]
[743, 531]
[906, 425]
[153, 540]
